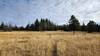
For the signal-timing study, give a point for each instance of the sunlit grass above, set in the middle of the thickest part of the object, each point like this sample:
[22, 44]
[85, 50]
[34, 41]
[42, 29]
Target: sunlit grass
[49, 44]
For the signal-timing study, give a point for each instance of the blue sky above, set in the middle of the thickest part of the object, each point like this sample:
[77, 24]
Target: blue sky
[22, 12]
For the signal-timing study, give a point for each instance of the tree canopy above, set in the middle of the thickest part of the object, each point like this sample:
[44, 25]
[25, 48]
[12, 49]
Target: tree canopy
[74, 24]
[48, 25]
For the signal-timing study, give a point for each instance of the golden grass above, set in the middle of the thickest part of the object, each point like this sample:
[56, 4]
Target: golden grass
[49, 44]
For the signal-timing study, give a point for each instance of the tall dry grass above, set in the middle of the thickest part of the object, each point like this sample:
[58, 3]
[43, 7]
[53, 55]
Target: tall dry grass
[49, 44]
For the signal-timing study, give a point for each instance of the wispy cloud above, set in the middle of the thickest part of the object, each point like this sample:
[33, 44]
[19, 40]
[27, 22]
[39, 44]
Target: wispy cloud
[22, 12]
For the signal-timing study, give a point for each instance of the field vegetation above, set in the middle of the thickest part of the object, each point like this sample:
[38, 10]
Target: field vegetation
[55, 43]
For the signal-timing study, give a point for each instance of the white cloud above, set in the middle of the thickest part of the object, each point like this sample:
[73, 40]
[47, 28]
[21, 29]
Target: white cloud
[58, 11]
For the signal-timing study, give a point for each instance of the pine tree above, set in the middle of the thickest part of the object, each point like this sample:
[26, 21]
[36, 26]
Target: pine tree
[74, 24]
[21, 28]
[83, 27]
[28, 27]
[2, 26]
[15, 28]
[32, 27]
[36, 24]
[91, 26]
[65, 27]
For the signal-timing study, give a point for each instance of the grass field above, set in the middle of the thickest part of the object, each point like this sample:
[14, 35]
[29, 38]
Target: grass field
[49, 44]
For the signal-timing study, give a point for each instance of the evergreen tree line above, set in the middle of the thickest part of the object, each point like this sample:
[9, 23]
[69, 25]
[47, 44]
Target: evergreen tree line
[47, 25]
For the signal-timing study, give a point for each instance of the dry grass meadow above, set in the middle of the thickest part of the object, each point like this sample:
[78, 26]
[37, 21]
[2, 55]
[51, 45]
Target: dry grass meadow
[49, 44]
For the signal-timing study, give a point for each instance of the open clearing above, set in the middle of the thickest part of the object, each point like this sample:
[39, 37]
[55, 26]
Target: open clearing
[49, 44]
